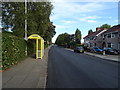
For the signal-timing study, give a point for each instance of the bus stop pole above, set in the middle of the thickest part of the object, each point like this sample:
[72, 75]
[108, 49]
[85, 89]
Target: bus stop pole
[36, 48]
[41, 48]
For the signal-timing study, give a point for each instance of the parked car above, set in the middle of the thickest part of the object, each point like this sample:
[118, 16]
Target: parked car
[111, 51]
[79, 49]
[96, 49]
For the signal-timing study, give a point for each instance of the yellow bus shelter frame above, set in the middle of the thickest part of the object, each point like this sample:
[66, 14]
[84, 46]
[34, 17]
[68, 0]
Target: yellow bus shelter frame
[39, 53]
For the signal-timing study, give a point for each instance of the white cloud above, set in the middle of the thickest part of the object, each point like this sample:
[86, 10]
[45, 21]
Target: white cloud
[68, 22]
[91, 21]
[91, 17]
[65, 9]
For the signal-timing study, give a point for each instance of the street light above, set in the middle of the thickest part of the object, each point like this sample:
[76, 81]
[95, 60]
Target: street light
[26, 25]
[25, 20]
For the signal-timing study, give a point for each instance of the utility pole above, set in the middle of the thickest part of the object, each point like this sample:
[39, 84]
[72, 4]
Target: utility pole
[25, 20]
[26, 24]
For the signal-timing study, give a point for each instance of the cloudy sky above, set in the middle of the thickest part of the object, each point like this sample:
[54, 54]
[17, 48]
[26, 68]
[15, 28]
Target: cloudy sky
[68, 15]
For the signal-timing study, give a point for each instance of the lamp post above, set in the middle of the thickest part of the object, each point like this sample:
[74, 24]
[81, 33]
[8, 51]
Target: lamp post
[26, 25]
[25, 20]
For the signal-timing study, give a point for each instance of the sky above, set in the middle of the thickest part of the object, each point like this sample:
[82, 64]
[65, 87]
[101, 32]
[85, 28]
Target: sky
[68, 15]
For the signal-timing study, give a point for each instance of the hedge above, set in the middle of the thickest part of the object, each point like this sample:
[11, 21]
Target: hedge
[13, 49]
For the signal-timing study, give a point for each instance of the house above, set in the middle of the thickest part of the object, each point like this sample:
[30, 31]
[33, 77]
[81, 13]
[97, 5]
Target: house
[104, 38]
[95, 38]
[111, 37]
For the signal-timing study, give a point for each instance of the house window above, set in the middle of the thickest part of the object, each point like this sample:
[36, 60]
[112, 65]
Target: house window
[109, 35]
[113, 35]
[104, 37]
[95, 44]
[119, 45]
[112, 45]
[109, 45]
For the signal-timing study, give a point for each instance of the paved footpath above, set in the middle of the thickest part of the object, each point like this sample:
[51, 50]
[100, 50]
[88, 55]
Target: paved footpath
[30, 73]
[107, 57]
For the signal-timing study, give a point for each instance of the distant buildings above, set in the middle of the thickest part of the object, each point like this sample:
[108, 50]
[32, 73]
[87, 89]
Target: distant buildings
[72, 37]
[104, 38]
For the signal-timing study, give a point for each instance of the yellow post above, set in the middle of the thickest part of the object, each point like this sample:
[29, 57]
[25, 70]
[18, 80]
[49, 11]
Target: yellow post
[41, 48]
[36, 48]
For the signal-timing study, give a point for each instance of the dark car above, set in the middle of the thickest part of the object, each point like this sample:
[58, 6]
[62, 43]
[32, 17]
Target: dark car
[96, 49]
[111, 51]
[79, 49]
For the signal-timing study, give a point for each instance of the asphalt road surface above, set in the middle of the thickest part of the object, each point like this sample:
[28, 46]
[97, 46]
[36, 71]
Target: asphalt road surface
[67, 69]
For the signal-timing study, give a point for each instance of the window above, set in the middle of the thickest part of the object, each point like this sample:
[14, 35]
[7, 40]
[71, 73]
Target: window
[109, 35]
[113, 35]
[119, 45]
[119, 35]
[104, 37]
[109, 45]
[112, 45]
[95, 44]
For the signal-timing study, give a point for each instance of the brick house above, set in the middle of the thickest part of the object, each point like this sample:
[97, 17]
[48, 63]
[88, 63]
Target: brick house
[104, 38]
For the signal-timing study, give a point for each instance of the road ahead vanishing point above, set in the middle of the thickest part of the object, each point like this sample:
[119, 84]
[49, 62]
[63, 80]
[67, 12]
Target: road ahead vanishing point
[67, 69]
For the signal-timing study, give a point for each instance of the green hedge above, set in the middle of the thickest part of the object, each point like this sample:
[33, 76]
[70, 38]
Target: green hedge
[13, 49]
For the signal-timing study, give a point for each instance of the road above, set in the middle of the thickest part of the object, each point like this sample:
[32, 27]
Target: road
[67, 69]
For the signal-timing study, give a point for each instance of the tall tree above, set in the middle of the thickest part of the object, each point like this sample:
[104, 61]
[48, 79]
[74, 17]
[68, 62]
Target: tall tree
[38, 21]
[105, 26]
[78, 36]
[63, 40]
[90, 31]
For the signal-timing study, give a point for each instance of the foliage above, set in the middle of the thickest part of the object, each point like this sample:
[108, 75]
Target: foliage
[63, 40]
[90, 31]
[13, 49]
[37, 17]
[78, 36]
[13, 19]
[70, 41]
[105, 26]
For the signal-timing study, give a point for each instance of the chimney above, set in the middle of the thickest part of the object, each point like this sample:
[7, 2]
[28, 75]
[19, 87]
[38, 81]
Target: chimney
[105, 29]
[98, 28]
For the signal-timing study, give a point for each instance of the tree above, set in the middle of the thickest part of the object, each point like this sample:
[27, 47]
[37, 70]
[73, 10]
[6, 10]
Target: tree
[90, 31]
[63, 40]
[37, 17]
[13, 17]
[105, 26]
[50, 32]
[78, 36]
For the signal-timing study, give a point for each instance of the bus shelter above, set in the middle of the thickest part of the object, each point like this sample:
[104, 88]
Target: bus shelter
[39, 45]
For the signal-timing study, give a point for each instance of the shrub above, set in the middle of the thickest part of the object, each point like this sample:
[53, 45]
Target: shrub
[13, 49]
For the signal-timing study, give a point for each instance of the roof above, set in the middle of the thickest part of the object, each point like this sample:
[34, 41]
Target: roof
[113, 29]
[35, 36]
[92, 34]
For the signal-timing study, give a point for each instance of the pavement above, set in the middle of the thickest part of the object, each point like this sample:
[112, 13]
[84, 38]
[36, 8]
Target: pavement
[67, 69]
[105, 57]
[30, 73]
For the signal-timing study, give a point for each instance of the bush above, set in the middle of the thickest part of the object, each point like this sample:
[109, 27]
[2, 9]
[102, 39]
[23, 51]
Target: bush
[13, 49]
